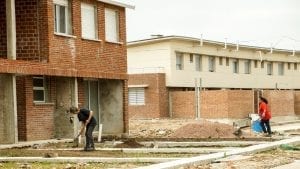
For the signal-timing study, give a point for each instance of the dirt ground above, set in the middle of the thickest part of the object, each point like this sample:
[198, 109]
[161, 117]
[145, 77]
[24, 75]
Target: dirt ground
[183, 128]
[264, 160]
[161, 128]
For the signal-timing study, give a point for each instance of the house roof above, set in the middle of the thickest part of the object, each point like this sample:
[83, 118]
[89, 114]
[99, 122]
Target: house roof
[117, 4]
[161, 38]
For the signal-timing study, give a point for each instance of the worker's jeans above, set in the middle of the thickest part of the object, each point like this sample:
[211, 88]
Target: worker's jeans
[89, 136]
[265, 125]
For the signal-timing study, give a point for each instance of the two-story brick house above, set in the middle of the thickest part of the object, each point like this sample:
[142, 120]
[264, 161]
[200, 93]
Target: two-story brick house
[58, 53]
[165, 73]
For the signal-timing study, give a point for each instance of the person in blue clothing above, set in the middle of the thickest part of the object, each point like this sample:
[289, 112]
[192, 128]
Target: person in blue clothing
[88, 121]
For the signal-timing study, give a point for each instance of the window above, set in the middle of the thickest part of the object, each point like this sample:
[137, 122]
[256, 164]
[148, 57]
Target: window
[191, 58]
[269, 68]
[235, 64]
[198, 63]
[227, 61]
[38, 89]
[220, 61]
[111, 25]
[262, 64]
[89, 21]
[255, 63]
[211, 64]
[62, 17]
[136, 96]
[179, 61]
[247, 66]
[289, 66]
[280, 69]
[295, 66]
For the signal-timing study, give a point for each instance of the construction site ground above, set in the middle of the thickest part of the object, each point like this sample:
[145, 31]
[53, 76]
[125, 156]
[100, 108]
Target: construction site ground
[156, 141]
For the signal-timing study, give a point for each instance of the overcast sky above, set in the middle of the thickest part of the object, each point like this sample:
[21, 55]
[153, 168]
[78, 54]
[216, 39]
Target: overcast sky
[251, 22]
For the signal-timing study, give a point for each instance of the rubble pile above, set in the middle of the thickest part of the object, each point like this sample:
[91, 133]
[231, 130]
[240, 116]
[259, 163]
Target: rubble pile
[204, 129]
[160, 128]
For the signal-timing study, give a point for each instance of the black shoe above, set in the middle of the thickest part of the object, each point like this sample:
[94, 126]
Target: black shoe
[89, 148]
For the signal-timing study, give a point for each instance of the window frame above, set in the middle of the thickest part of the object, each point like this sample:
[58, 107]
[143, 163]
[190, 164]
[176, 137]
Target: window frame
[270, 68]
[179, 58]
[235, 66]
[211, 64]
[227, 61]
[191, 58]
[67, 17]
[115, 39]
[280, 68]
[136, 95]
[39, 88]
[95, 12]
[198, 62]
[247, 65]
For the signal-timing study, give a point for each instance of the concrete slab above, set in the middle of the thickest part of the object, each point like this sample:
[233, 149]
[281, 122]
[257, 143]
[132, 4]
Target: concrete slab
[151, 150]
[286, 127]
[294, 165]
[86, 159]
[204, 159]
[32, 143]
[234, 158]
[165, 144]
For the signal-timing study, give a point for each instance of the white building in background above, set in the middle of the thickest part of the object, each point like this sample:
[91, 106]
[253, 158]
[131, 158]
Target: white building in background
[219, 65]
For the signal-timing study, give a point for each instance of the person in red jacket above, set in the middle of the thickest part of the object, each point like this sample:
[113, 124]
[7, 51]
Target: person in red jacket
[265, 116]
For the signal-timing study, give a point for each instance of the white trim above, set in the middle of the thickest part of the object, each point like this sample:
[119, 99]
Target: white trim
[139, 86]
[65, 35]
[61, 2]
[118, 4]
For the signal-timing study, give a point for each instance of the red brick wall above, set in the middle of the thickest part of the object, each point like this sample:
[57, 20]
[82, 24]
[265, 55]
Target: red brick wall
[36, 120]
[297, 103]
[163, 96]
[27, 29]
[281, 102]
[36, 41]
[3, 39]
[155, 96]
[60, 55]
[214, 104]
[182, 104]
[240, 103]
[86, 55]
[21, 107]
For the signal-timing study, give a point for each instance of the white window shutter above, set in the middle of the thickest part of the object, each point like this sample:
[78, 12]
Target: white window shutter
[111, 25]
[136, 96]
[88, 21]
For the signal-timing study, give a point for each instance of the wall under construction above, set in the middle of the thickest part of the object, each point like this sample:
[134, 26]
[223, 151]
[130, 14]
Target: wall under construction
[232, 104]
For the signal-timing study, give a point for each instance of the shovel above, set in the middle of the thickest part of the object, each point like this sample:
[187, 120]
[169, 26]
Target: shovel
[76, 141]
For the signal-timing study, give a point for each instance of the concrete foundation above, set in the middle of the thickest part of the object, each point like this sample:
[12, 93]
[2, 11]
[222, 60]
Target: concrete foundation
[111, 106]
[64, 100]
[8, 112]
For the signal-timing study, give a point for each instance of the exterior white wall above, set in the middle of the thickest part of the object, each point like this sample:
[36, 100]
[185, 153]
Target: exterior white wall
[152, 58]
[164, 54]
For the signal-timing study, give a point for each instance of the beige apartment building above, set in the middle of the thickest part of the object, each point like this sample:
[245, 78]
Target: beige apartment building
[191, 68]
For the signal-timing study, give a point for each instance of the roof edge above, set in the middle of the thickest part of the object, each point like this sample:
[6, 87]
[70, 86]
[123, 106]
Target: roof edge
[117, 4]
[172, 37]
